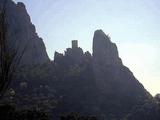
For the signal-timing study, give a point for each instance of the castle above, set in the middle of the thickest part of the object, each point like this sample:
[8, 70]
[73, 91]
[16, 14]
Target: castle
[74, 44]
[75, 53]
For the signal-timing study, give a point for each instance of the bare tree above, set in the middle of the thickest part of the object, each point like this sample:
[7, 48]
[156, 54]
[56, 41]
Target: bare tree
[10, 54]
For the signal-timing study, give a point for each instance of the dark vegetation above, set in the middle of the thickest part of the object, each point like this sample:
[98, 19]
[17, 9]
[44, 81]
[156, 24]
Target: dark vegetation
[45, 88]
[8, 112]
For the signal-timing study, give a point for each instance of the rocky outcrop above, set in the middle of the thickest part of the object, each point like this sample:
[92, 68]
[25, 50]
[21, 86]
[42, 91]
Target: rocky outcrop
[22, 34]
[104, 51]
[115, 81]
[111, 76]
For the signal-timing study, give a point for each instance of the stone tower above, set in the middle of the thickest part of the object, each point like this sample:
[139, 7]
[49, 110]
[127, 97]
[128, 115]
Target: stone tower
[74, 43]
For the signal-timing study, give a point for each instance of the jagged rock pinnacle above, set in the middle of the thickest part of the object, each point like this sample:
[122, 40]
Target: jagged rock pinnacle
[104, 51]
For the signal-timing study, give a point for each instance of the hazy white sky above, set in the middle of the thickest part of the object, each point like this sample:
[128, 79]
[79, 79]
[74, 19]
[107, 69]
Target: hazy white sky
[134, 25]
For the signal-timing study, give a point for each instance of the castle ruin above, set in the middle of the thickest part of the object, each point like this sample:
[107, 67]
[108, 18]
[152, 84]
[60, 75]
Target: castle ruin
[74, 44]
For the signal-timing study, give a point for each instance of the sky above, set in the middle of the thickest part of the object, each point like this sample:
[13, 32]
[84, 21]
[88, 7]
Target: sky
[134, 25]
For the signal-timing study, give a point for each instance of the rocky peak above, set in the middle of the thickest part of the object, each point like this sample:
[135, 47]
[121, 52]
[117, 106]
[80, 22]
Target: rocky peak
[104, 51]
[22, 33]
[108, 68]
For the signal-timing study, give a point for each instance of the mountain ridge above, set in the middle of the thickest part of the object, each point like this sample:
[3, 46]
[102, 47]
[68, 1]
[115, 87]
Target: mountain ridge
[76, 81]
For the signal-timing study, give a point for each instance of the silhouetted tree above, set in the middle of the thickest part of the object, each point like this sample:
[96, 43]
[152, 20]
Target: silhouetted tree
[10, 55]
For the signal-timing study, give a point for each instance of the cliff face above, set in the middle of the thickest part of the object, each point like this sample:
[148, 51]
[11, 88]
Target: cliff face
[105, 54]
[22, 34]
[115, 81]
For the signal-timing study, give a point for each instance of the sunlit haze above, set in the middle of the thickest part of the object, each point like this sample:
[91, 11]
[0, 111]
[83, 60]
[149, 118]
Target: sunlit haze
[134, 25]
